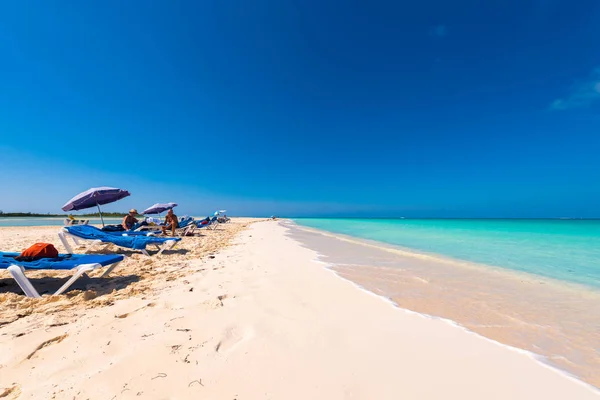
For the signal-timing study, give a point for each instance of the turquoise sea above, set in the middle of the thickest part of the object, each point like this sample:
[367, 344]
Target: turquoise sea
[566, 250]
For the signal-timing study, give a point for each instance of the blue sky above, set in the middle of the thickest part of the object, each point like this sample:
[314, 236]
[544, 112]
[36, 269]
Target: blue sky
[431, 108]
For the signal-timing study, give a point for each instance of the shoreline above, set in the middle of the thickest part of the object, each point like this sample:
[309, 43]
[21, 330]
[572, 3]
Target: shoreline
[540, 316]
[563, 251]
[441, 258]
[542, 360]
[262, 319]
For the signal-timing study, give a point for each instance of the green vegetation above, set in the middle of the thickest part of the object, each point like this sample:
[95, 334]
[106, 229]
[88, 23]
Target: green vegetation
[36, 215]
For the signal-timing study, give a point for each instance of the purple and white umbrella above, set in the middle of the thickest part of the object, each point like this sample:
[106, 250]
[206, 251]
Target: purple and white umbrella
[95, 197]
[159, 208]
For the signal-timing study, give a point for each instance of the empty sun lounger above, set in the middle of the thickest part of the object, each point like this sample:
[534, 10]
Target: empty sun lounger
[81, 263]
[92, 236]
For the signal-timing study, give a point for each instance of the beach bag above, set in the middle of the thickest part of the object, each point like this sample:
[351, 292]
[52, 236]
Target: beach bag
[37, 251]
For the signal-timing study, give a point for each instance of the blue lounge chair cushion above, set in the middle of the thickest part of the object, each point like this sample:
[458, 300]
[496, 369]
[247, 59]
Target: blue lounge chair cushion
[138, 242]
[185, 222]
[63, 261]
[200, 224]
[208, 221]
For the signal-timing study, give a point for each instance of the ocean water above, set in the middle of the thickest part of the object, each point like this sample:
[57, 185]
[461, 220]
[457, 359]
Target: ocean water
[565, 250]
[50, 221]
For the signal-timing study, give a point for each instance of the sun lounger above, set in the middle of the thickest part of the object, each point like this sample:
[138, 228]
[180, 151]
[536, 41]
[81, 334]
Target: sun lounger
[81, 263]
[185, 227]
[185, 221]
[92, 236]
[211, 224]
[202, 224]
[214, 221]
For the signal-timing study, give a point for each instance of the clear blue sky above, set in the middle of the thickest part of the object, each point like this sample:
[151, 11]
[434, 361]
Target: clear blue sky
[429, 108]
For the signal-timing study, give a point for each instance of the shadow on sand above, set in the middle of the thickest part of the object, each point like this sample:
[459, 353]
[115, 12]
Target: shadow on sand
[50, 284]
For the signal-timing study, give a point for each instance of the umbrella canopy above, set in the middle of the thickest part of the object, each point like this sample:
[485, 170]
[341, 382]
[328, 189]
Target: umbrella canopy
[95, 197]
[159, 208]
[219, 212]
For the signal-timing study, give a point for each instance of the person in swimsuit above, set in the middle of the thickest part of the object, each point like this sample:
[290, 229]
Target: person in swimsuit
[171, 222]
[129, 220]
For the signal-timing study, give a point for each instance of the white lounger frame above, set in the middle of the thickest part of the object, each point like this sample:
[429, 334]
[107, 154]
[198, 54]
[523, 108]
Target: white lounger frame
[18, 274]
[91, 243]
[191, 228]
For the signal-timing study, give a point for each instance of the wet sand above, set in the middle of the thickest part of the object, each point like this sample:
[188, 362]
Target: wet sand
[560, 322]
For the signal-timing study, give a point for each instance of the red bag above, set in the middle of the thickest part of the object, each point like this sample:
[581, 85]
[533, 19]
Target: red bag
[37, 251]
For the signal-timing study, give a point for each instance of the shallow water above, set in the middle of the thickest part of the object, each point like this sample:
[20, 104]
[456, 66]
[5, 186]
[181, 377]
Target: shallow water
[567, 250]
[555, 319]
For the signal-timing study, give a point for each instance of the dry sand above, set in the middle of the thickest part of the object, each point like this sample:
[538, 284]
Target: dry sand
[136, 275]
[260, 320]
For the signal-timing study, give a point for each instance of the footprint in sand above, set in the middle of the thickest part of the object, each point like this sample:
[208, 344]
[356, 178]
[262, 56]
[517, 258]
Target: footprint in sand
[232, 337]
[10, 393]
[215, 302]
[47, 343]
[125, 315]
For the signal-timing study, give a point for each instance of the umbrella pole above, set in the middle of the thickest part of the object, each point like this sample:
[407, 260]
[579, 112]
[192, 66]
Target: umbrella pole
[100, 212]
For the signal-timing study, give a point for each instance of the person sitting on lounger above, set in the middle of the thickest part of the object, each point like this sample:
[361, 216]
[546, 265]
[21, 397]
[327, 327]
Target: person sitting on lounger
[129, 220]
[171, 222]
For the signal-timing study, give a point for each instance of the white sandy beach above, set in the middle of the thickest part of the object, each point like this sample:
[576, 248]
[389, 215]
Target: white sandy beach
[260, 320]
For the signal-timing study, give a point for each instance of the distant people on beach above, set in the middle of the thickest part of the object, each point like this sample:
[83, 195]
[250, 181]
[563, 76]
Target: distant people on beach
[70, 220]
[171, 222]
[152, 221]
[129, 220]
